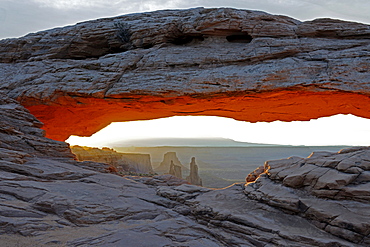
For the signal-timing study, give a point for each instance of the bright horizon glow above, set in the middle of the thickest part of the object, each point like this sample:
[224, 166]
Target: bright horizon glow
[335, 130]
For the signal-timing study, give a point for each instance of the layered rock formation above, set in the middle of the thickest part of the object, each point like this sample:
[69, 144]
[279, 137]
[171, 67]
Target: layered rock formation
[175, 170]
[124, 162]
[48, 198]
[332, 190]
[193, 177]
[168, 159]
[244, 64]
[248, 65]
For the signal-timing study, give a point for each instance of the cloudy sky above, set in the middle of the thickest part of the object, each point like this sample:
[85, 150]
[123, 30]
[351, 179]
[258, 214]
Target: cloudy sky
[19, 17]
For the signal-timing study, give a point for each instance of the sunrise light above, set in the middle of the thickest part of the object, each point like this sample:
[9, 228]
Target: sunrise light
[335, 130]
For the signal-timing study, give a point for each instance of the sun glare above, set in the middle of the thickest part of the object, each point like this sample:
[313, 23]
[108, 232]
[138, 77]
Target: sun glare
[335, 130]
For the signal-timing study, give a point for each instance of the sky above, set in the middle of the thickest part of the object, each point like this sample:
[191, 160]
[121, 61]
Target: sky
[19, 17]
[336, 130]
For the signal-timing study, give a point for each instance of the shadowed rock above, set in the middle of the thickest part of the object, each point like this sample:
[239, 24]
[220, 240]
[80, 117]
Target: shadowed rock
[330, 189]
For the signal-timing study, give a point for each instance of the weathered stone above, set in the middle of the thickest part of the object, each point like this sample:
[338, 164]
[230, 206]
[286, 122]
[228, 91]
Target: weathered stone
[225, 62]
[21, 137]
[319, 154]
[175, 170]
[248, 65]
[193, 177]
[165, 165]
[123, 162]
[320, 193]
[49, 198]
[160, 180]
[298, 179]
[364, 177]
[255, 174]
[361, 191]
[333, 179]
[274, 167]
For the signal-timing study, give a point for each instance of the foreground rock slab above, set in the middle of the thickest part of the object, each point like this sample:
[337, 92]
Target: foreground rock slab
[47, 198]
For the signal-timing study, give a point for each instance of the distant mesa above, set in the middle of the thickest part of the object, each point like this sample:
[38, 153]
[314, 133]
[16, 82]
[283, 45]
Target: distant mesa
[172, 164]
[185, 142]
[126, 163]
[165, 165]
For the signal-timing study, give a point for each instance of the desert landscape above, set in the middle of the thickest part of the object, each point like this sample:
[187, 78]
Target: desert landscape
[222, 166]
[243, 64]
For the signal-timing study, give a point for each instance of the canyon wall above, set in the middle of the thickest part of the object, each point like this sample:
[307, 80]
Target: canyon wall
[124, 162]
[248, 65]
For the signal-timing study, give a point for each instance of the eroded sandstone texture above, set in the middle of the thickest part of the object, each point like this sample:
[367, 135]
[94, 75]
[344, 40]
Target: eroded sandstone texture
[56, 201]
[194, 177]
[243, 64]
[175, 170]
[124, 162]
[165, 165]
[330, 189]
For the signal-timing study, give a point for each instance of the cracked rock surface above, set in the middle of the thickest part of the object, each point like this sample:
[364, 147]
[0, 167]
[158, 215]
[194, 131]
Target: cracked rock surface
[49, 199]
[222, 62]
[185, 52]
[330, 189]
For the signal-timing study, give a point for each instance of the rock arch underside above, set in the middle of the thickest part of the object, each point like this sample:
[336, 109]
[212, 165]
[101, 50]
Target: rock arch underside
[248, 65]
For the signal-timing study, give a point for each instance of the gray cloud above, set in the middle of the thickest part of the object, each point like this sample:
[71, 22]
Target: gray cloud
[2, 15]
[19, 17]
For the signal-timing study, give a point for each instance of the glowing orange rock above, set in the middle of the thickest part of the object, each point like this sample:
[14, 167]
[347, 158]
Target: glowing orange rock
[247, 65]
[89, 115]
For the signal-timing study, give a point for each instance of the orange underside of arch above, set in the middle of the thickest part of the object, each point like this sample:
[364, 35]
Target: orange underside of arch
[85, 116]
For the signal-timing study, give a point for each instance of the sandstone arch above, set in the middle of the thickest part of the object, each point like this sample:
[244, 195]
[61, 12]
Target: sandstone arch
[165, 63]
[243, 64]
[63, 121]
